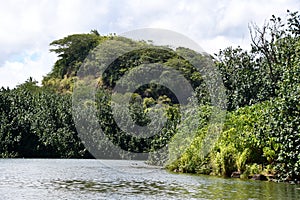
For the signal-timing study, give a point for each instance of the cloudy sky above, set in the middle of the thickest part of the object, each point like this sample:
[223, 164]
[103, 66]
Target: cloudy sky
[28, 26]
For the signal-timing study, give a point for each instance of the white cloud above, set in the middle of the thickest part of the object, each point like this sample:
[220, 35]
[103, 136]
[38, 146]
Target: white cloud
[29, 26]
[34, 64]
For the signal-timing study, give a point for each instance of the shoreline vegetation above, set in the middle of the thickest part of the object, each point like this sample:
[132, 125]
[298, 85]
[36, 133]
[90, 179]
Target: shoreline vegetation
[259, 139]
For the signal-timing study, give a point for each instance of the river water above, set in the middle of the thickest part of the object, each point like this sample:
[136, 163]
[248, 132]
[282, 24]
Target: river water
[112, 179]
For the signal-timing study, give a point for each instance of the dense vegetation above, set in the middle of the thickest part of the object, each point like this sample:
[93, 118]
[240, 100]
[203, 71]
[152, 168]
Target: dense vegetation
[260, 133]
[37, 123]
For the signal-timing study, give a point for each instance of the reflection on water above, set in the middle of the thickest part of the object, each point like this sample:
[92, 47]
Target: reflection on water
[125, 187]
[108, 179]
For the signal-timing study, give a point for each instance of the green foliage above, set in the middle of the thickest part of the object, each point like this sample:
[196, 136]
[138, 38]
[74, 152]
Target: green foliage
[72, 50]
[37, 124]
[241, 160]
[238, 144]
[283, 118]
[224, 162]
[263, 90]
[242, 77]
[188, 149]
[252, 169]
[139, 115]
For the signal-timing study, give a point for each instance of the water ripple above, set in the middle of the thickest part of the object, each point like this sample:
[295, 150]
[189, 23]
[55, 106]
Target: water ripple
[124, 187]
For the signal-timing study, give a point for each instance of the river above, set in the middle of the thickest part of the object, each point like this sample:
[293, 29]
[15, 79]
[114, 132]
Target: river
[112, 179]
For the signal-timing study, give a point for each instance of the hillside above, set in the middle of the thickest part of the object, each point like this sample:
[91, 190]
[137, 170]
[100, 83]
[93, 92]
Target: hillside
[260, 133]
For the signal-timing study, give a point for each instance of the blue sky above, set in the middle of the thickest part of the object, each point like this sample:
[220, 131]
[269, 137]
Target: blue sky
[28, 26]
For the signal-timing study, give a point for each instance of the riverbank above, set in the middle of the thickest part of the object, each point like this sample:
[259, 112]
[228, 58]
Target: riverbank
[246, 145]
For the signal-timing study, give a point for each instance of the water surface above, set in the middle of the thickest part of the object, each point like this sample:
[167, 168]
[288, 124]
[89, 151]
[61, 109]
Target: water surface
[112, 179]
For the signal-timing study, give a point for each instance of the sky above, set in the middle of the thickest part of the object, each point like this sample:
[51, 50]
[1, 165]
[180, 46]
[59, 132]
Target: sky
[27, 27]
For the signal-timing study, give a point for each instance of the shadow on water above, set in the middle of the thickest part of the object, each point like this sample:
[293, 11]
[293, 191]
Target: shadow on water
[123, 187]
[220, 189]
